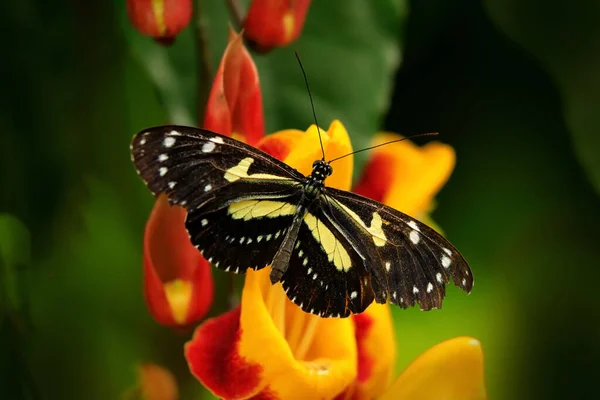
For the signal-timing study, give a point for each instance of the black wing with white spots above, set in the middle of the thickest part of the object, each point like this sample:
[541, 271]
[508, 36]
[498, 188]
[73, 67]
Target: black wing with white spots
[240, 201]
[326, 276]
[335, 251]
[408, 261]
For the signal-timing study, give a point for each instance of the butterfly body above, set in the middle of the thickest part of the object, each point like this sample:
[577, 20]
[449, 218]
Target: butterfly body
[333, 251]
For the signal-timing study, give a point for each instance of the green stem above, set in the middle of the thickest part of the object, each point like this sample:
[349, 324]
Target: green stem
[203, 65]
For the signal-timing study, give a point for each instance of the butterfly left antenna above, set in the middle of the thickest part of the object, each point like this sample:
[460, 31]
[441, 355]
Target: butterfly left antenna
[312, 105]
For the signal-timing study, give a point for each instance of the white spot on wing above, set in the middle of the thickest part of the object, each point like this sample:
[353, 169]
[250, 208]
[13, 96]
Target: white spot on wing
[163, 157]
[259, 238]
[353, 295]
[305, 261]
[169, 142]
[172, 184]
[309, 271]
[204, 222]
[438, 277]
[208, 147]
[162, 171]
[388, 265]
[415, 290]
[414, 225]
[300, 253]
[447, 251]
[217, 139]
[174, 133]
[143, 141]
[464, 282]
[207, 188]
[446, 262]
[414, 237]
[429, 287]
[315, 277]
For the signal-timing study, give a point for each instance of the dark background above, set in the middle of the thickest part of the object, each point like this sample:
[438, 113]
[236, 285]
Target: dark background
[513, 86]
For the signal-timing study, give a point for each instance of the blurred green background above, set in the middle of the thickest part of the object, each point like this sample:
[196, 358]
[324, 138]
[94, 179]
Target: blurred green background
[513, 86]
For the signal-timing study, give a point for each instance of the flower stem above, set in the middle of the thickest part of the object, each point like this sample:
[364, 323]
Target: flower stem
[204, 67]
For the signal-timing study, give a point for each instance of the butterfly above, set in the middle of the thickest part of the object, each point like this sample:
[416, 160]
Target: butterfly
[333, 251]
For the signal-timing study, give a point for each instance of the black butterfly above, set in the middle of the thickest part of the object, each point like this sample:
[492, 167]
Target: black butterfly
[333, 251]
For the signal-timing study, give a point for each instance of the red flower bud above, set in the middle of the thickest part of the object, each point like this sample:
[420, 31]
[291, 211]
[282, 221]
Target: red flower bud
[178, 283]
[273, 23]
[160, 19]
[234, 105]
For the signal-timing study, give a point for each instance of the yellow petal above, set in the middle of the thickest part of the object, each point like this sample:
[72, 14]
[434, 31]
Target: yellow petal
[451, 370]
[418, 173]
[376, 351]
[336, 143]
[327, 364]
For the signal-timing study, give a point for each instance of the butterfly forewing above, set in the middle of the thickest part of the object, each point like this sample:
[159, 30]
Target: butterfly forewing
[193, 165]
[409, 262]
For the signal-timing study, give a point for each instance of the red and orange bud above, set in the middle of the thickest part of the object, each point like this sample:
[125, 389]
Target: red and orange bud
[160, 19]
[178, 283]
[156, 383]
[274, 23]
[234, 106]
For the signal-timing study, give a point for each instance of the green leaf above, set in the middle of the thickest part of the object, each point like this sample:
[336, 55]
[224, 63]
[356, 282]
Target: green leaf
[350, 50]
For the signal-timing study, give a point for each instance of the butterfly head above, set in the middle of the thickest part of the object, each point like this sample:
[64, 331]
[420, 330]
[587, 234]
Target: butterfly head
[320, 170]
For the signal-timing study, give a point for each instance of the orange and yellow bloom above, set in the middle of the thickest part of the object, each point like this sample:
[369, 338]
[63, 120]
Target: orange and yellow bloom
[160, 19]
[275, 23]
[178, 284]
[268, 348]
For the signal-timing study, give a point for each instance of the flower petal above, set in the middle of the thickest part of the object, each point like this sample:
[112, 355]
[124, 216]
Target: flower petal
[300, 150]
[160, 19]
[274, 23]
[243, 353]
[326, 366]
[234, 104]
[376, 353]
[406, 176]
[157, 383]
[451, 370]
[213, 358]
[178, 283]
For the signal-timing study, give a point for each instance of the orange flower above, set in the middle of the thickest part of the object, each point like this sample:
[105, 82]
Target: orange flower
[235, 102]
[274, 23]
[178, 284]
[154, 383]
[178, 281]
[160, 19]
[451, 370]
[269, 348]
[405, 176]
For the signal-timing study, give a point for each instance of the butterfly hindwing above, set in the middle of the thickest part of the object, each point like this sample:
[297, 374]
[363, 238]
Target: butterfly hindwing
[326, 277]
[409, 262]
[244, 234]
